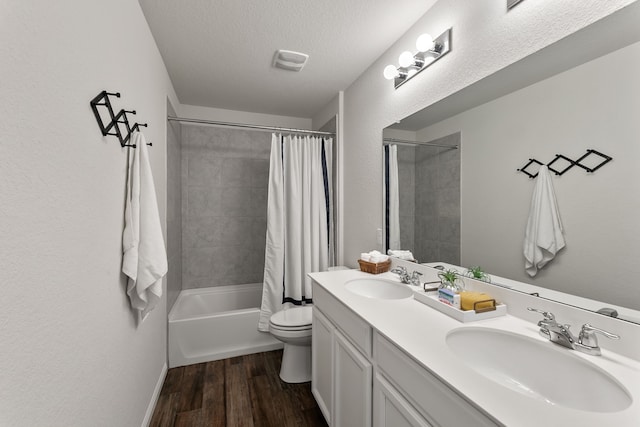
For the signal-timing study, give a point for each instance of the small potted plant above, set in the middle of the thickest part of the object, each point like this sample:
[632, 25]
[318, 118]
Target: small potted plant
[449, 280]
[478, 274]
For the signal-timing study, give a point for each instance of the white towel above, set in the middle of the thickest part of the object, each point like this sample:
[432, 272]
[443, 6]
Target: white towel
[544, 236]
[402, 254]
[145, 258]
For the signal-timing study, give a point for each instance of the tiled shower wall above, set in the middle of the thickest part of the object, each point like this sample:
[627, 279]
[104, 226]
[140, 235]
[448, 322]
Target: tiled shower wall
[174, 210]
[225, 174]
[437, 196]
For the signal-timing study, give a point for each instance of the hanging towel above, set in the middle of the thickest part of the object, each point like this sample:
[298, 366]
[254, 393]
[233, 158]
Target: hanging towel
[544, 236]
[145, 258]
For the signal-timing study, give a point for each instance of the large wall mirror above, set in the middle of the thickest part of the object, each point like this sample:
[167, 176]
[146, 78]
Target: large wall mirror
[468, 205]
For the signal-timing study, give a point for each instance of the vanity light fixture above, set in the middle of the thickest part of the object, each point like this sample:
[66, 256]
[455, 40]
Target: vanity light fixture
[410, 64]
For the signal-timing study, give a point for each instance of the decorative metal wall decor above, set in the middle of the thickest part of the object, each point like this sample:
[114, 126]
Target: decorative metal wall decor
[558, 170]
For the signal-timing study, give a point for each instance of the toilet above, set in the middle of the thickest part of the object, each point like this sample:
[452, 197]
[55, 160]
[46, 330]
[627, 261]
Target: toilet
[293, 327]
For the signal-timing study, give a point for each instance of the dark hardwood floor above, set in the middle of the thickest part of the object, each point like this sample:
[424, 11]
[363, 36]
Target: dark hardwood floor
[242, 391]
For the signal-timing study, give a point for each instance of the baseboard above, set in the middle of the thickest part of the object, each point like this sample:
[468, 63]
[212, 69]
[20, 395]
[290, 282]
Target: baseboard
[154, 398]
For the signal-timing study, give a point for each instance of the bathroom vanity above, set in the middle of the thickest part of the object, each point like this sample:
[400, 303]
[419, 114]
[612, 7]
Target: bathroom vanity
[391, 362]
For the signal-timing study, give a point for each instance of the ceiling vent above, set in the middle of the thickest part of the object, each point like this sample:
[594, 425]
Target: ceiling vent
[289, 60]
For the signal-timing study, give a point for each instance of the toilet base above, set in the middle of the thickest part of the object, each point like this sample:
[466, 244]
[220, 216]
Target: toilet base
[296, 364]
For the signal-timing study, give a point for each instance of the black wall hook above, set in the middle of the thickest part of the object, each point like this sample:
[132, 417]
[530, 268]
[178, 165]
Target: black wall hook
[571, 163]
[116, 124]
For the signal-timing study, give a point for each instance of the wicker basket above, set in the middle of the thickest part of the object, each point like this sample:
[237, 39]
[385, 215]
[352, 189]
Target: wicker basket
[370, 267]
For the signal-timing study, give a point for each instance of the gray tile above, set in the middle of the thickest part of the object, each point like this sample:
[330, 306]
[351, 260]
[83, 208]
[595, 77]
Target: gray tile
[428, 253]
[234, 231]
[426, 177]
[450, 253]
[426, 202]
[198, 262]
[261, 146]
[259, 232]
[260, 173]
[204, 201]
[189, 282]
[448, 202]
[228, 264]
[259, 202]
[406, 178]
[235, 202]
[236, 172]
[406, 154]
[449, 175]
[426, 228]
[449, 230]
[205, 169]
[407, 202]
[231, 143]
[202, 232]
[407, 232]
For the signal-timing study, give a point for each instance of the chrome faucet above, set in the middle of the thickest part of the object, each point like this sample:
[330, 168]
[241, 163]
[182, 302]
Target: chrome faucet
[413, 279]
[559, 334]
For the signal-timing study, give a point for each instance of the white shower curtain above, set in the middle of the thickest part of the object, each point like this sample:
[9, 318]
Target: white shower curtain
[394, 199]
[298, 221]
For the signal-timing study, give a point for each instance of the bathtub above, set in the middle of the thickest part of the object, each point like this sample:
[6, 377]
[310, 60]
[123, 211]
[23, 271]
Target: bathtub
[216, 323]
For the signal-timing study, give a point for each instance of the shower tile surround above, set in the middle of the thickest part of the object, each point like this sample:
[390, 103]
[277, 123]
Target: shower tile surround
[225, 175]
[174, 209]
[430, 200]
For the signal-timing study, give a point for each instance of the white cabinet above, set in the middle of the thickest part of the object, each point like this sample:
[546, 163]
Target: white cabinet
[352, 374]
[429, 396]
[322, 362]
[391, 409]
[341, 370]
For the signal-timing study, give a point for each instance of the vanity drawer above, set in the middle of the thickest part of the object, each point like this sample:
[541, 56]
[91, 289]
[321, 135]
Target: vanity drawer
[438, 403]
[353, 327]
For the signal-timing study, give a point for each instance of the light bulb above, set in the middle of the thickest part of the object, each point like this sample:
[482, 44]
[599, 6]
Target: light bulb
[390, 72]
[406, 59]
[424, 43]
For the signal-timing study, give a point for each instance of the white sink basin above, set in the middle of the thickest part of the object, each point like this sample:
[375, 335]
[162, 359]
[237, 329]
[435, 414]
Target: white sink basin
[378, 288]
[541, 370]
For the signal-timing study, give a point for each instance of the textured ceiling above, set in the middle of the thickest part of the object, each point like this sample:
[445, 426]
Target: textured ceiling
[219, 53]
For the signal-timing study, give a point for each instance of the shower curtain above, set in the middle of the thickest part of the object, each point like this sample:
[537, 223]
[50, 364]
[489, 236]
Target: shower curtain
[392, 197]
[299, 221]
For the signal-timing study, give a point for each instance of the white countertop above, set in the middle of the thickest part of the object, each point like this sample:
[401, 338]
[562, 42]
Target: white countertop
[421, 332]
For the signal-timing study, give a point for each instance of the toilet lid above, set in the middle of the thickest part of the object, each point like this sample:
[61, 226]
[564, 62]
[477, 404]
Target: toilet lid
[292, 317]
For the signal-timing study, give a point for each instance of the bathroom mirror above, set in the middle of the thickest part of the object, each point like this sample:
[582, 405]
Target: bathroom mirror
[580, 93]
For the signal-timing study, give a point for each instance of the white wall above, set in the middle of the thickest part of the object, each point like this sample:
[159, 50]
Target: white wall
[486, 38]
[328, 112]
[72, 353]
[591, 106]
[233, 116]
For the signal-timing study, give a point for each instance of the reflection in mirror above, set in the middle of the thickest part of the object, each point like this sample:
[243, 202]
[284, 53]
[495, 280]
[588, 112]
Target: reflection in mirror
[580, 93]
[424, 217]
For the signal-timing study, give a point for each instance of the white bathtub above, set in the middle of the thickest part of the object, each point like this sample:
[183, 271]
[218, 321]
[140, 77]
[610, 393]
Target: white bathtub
[216, 323]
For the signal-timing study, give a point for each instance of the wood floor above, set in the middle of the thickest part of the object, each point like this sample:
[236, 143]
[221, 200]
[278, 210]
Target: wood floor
[242, 391]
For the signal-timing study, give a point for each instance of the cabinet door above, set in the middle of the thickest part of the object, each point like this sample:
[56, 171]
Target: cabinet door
[391, 409]
[352, 376]
[322, 362]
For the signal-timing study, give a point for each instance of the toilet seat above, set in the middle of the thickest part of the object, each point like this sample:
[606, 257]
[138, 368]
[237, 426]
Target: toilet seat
[293, 319]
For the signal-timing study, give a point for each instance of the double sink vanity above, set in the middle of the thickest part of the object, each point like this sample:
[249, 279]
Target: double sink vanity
[382, 358]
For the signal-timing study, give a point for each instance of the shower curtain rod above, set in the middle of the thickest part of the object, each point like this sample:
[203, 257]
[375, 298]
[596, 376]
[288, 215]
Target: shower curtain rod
[248, 126]
[407, 142]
